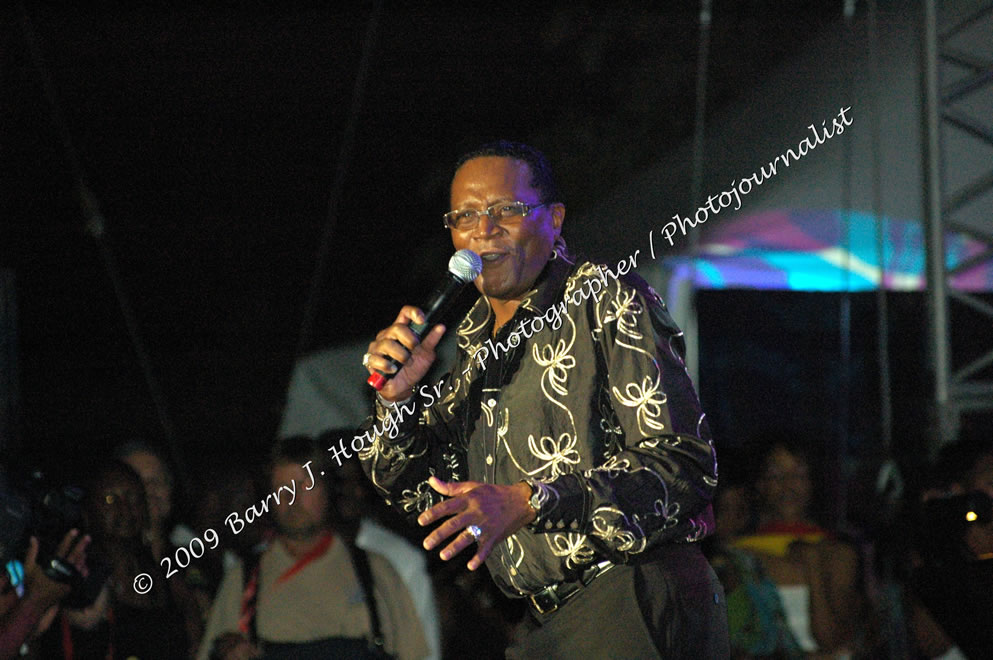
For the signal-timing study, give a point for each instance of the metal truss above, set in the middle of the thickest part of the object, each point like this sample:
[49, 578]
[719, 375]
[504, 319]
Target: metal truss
[958, 97]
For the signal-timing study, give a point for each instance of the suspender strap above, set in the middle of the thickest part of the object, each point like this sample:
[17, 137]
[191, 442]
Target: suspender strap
[361, 562]
[249, 599]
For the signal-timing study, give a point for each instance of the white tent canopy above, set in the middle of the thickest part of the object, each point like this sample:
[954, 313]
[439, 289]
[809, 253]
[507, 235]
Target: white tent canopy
[833, 183]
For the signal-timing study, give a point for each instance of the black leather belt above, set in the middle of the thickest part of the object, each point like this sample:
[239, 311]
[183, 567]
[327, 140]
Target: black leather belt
[551, 598]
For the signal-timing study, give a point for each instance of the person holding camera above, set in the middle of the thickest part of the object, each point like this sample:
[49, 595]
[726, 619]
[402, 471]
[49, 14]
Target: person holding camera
[951, 585]
[29, 603]
[118, 621]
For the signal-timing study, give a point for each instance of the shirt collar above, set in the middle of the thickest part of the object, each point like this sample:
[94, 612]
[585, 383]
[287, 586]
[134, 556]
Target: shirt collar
[548, 289]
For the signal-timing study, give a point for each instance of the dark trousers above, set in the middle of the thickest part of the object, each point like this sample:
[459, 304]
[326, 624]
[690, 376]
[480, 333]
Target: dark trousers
[670, 607]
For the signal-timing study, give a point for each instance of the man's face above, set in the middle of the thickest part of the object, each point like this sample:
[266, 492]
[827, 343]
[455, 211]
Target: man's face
[158, 484]
[121, 507]
[308, 515]
[513, 254]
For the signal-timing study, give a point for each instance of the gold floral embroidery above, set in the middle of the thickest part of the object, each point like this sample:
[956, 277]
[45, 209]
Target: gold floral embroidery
[417, 500]
[573, 547]
[666, 510]
[467, 328]
[624, 534]
[613, 467]
[648, 399]
[624, 309]
[555, 452]
[511, 557]
[557, 363]
[487, 410]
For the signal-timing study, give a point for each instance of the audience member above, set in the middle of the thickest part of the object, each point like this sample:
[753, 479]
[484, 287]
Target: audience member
[118, 624]
[756, 620]
[156, 478]
[228, 487]
[307, 597]
[817, 575]
[951, 586]
[375, 528]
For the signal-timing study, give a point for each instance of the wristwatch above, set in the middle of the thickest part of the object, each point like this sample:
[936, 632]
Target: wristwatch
[535, 500]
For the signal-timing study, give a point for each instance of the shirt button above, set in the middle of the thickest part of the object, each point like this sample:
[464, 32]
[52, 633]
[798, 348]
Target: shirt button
[491, 403]
[489, 460]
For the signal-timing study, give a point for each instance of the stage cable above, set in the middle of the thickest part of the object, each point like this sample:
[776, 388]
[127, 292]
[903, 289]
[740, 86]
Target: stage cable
[95, 227]
[882, 316]
[889, 484]
[696, 184]
[321, 262]
[845, 303]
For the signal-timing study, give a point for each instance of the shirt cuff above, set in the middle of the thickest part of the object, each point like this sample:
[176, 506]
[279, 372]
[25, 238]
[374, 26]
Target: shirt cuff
[394, 419]
[564, 505]
[383, 405]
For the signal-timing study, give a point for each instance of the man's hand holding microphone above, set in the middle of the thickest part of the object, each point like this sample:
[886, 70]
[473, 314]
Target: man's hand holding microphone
[397, 360]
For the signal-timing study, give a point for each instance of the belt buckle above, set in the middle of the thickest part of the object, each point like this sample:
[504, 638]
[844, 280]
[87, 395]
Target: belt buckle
[539, 599]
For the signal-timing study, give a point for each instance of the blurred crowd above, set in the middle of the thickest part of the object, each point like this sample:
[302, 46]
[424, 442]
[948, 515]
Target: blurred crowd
[321, 567]
[917, 585]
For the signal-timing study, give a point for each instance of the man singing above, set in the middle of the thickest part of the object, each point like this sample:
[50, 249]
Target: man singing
[567, 446]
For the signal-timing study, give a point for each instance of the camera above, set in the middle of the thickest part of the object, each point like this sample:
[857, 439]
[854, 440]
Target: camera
[34, 506]
[953, 583]
[945, 521]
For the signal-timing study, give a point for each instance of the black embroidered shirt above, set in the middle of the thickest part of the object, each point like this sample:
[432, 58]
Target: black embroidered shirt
[583, 391]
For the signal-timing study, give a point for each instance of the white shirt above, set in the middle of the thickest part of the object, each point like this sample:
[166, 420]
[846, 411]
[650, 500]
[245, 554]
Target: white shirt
[410, 564]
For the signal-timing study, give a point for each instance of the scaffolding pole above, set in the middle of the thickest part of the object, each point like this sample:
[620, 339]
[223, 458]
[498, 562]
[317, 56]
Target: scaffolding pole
[955, 390]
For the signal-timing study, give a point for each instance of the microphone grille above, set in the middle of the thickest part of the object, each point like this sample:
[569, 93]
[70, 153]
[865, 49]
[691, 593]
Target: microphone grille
[466, 265]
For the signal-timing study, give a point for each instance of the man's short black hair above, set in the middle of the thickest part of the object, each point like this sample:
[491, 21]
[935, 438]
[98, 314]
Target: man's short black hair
[542, 178]
[139, 446]
[299, 449]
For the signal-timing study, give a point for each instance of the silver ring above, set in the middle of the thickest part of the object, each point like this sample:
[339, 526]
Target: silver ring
[365, 359]
[474, 530]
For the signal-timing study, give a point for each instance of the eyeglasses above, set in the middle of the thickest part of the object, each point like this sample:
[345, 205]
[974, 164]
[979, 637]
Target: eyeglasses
[466, 219]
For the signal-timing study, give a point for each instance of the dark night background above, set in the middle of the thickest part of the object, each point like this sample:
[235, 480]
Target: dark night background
[209, 137]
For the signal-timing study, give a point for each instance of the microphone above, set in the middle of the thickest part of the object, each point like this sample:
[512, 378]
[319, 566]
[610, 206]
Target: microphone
[463, 267]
